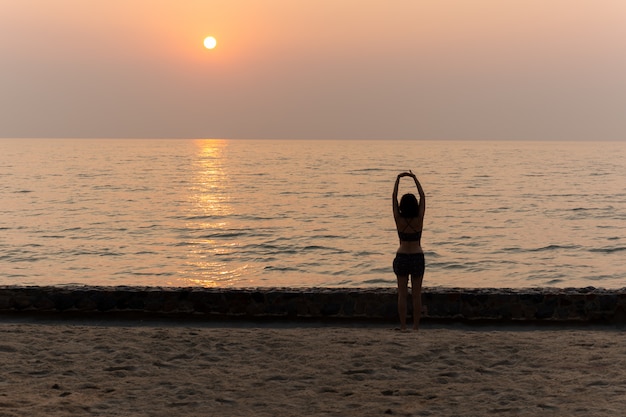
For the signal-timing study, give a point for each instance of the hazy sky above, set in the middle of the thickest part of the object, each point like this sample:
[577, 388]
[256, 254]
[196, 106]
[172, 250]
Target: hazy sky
[405, 69]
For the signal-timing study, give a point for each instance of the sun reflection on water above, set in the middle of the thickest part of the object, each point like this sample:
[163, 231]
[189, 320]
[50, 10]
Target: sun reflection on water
[209, 262]
[208, 189]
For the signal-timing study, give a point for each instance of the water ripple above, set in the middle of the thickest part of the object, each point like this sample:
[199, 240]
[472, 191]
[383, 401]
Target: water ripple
[246, 213]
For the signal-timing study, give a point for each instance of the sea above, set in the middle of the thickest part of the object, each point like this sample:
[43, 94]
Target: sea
[309, 213]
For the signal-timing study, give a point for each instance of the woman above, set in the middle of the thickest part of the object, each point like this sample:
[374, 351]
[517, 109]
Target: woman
[409, 260]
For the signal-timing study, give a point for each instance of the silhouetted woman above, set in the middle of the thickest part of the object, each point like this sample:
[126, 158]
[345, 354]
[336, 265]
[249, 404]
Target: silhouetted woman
[409, 260]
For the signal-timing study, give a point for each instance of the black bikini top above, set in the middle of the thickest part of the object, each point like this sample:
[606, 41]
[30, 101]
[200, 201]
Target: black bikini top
[414, 236]
[410, 237]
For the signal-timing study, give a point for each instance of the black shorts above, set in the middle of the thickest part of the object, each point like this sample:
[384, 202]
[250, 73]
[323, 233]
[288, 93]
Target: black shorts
[406, 264]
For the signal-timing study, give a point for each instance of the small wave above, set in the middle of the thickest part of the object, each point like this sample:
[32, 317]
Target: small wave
[200, 217]
[323, 248]
[447, 265]
[605, 277]
[256, 218]
[184, 244]
[498, 209]
[78, 252]
[367, 253]
[553, 247]
[281, 268]
[17, 276]
[223, 235]
[511, 249]
[326, 237]
[110, 254]
[106, 187]
[367, 170]
[268, 249]
[152, 226]
[145, 274]
[86, 252]
[608, 250]
[517, 249]
[20, 259]
[343, 283]
[377, 281]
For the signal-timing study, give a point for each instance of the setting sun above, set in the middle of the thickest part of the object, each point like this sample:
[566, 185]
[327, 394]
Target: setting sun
[210, 42]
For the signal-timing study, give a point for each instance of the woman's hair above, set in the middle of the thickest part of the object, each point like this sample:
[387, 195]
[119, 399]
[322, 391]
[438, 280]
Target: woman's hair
[408, 206]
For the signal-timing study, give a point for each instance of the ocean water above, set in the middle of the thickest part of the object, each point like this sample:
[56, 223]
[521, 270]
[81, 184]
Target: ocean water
[243, 213]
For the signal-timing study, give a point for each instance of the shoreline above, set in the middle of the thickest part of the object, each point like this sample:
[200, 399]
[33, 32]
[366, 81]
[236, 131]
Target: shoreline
[441, 305]
[141, 351]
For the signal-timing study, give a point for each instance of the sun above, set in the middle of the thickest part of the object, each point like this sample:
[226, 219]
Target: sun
[210, 42]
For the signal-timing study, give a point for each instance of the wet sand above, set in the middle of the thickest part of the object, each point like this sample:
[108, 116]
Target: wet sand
[237, 369]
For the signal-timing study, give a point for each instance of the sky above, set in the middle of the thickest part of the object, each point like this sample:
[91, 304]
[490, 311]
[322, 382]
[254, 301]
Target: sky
[314, 69]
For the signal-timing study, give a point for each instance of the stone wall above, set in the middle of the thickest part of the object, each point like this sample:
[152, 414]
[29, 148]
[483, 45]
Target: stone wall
[441, 304]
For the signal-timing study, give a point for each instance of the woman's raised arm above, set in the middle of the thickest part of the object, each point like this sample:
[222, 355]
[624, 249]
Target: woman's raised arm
[394, 196]
[420, 190]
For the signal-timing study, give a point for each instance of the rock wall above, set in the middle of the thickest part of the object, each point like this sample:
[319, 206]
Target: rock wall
[442, 304]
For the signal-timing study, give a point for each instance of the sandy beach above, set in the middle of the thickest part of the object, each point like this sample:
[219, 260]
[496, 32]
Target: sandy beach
[290, 369]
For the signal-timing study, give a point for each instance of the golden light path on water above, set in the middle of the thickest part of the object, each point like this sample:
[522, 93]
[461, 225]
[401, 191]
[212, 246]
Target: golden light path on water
[209, 212]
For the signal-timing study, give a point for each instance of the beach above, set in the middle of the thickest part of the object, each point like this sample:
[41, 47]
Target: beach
[292, 368]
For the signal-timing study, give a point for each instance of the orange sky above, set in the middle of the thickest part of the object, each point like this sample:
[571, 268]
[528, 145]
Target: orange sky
[409, 69]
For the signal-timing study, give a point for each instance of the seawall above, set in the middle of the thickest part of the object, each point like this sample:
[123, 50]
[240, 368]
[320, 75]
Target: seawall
[497, 305]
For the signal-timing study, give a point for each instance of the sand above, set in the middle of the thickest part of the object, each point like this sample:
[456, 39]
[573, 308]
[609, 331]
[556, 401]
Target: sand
[235, 369]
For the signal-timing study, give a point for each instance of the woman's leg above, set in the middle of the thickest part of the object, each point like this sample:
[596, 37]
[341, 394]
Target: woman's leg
[416, 290]
[403, 290]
